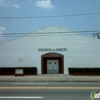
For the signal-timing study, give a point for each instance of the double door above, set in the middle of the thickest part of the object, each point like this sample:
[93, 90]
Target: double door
[52, 66]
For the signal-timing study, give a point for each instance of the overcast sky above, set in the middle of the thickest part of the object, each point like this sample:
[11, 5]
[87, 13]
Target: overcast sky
[34, 8]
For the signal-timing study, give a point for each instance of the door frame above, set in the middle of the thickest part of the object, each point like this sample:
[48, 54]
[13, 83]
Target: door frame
[52, 56]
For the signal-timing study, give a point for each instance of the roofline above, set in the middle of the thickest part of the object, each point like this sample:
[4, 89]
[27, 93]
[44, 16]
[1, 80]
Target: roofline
[51, 26]
[54, 35]
[13, 39]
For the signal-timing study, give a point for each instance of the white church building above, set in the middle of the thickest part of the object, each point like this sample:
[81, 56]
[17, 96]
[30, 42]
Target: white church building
[52, 50]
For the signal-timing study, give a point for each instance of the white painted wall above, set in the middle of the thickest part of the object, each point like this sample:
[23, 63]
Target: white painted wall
[23, 52]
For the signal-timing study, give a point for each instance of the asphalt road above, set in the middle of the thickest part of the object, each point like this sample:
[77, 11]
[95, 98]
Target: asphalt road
[50, 84]
[48, 91]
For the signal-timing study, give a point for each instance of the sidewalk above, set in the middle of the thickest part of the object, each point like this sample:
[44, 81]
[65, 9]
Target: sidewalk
[50, 78]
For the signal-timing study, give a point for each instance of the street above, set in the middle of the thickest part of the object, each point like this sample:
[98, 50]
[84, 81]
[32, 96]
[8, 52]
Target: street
[48, 90]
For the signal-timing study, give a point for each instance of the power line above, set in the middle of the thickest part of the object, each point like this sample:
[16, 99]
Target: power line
[91, 32]
[71, 32]
[87, 14]
[44, 35]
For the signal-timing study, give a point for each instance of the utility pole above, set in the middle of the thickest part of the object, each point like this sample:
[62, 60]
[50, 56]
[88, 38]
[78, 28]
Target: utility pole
[97, 35]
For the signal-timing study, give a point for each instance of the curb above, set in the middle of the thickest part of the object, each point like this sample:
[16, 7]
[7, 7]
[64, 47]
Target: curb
[50, 78]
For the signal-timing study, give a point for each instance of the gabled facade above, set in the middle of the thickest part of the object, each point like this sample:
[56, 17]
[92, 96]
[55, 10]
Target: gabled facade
[52, 50]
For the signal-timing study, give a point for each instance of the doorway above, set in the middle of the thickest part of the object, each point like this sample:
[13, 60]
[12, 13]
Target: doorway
[52, 63]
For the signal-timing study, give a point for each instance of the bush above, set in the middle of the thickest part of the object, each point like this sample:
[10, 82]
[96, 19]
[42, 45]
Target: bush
[84, 69]
[11, 71]
[7, 71]
[30, 70]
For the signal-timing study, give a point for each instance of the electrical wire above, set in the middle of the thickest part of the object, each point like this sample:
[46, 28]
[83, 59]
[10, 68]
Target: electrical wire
[87, 14]
[44, 35]
[92, 32]
[54, 32]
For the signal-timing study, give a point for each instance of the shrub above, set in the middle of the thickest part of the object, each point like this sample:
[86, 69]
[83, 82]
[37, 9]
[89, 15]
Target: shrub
[11, 71]
[84, 69]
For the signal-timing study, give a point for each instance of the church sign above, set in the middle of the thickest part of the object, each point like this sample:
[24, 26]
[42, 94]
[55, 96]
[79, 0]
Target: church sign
[50, 49]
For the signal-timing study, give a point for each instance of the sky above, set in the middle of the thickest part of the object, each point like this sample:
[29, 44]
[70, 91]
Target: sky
[38, 8]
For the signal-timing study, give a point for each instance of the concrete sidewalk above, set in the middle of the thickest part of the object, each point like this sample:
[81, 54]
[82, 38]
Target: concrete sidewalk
[50, 78]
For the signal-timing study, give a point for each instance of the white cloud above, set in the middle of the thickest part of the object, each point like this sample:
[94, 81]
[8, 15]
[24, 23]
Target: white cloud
[2, 30]
[9, 3]
[44, 4]
[16, 5]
